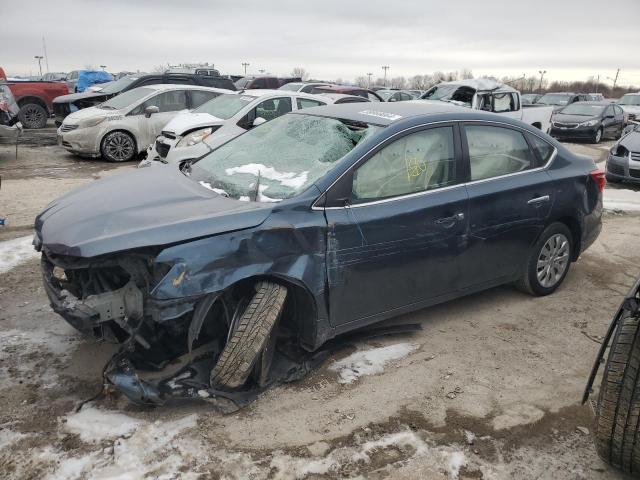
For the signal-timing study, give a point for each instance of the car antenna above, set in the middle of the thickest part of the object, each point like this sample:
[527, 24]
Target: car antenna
[257, 192]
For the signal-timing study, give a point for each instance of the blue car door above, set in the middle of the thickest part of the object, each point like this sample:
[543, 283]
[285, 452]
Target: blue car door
[393, 242]
[510, 197]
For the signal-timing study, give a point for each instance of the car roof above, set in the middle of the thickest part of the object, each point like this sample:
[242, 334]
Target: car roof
[592, 102]
[177, 86]
[382, 113]
[262, 92]
[338, 96]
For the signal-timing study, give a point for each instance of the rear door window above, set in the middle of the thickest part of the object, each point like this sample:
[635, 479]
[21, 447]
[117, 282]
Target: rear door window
[497, 151]
[542, 149]
[307, 103]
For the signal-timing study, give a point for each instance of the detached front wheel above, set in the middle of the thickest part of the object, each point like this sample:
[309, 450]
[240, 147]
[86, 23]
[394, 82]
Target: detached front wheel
[250, 336]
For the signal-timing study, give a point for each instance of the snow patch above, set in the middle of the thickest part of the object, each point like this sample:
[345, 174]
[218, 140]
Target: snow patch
[16, 251]
[94, 425]
[141, 449]
[369, 362]
[7, 437]
[457, 460]
[621, 199]
[287, 179]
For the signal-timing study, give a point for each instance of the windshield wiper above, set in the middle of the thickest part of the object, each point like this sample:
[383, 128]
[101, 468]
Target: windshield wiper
[256, 194]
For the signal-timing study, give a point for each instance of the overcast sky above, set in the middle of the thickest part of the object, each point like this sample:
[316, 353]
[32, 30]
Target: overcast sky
[571, 39]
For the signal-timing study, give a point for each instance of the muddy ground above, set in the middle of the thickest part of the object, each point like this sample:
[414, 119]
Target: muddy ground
[490, 387]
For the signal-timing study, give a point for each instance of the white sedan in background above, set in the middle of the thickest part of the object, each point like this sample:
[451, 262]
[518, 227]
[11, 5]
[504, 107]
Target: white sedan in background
[196, 133]
[125, 125]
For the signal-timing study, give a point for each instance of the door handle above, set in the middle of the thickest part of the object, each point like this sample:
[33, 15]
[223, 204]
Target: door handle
[538, 200]
[452, 219]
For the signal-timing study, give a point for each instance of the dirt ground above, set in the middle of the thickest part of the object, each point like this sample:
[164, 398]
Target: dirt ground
[489, 388]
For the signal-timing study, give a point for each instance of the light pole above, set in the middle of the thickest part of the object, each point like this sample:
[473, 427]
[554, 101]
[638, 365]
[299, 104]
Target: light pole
[261, 70]
[597, 83]
[385, 68]
[369, 75]
[245, 65]
[39, 58]
[541, 72]
[103, 67]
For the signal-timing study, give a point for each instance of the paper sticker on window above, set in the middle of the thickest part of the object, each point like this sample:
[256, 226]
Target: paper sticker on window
[376, 113]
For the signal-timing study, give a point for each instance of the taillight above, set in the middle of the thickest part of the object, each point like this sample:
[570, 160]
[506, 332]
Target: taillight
[599, 179]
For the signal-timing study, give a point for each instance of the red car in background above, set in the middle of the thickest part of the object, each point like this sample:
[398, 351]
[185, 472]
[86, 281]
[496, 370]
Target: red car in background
[35, 99]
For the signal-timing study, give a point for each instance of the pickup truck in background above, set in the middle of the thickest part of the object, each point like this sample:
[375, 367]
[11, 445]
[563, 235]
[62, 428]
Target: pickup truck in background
[35, 99]
[491, 96]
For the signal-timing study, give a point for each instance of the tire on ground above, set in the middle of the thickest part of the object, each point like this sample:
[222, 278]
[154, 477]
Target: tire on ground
[123, 148]
[33, 115]
[618, 410]
[528, 283]
[250, 336]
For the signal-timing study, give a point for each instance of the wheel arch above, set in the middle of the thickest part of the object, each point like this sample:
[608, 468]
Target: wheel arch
[576, 233]
[300, 312]
[33, 99]
[123, 130]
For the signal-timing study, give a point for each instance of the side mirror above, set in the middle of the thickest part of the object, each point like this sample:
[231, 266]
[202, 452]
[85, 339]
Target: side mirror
[258, 121]
[150, 110]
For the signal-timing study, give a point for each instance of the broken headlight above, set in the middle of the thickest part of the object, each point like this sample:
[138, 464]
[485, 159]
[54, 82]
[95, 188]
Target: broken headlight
[194, 137]
[619, 151]
[91, 122]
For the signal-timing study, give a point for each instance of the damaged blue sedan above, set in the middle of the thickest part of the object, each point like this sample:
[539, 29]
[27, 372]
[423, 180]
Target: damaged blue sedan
[227, 273]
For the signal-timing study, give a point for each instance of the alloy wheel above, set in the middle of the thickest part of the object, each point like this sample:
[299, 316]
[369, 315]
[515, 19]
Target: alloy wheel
[119, 147]
[33, 116]
[553, 260]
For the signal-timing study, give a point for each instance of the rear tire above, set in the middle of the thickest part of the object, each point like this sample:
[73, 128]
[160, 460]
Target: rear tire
[33, 115]
[549, 261]
[618, 410]
[250, 336]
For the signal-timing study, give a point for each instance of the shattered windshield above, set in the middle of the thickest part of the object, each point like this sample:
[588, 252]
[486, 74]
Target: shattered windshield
[451, 93]
[278, 159]
[554, 99]
[226, 105]
[126, 99]
[118, 85]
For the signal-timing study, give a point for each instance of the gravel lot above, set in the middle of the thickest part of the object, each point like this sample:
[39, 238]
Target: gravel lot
[489, 388]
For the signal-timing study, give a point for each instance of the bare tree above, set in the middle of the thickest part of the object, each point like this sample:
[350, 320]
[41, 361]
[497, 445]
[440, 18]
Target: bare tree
[362, 81]
[300, 72]
[465, 74]
[399, 82]
[159, 69]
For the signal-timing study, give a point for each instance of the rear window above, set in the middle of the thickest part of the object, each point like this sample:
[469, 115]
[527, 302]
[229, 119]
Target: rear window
[225, 106]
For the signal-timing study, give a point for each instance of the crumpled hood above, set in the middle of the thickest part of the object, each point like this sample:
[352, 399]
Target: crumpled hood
[141, 208]
[630, 108]
[188, 121]
[72, 97]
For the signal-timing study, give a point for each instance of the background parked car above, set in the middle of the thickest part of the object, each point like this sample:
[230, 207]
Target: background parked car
[630, 103]
[35, 99]
[86, 78]
[348, 90]
[54, 77]
[588, 120]
[125, 125]
[196, 133]
[338, 98]
[623, 161]
[530, 98]
[305, 87]
[561, 99]
[395, 95]
[253, 82]
[490, 96]
[66, 104]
